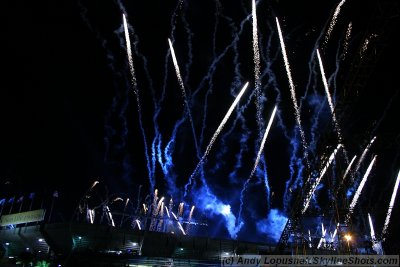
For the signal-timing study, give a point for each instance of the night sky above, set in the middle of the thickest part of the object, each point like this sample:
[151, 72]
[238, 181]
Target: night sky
[69, 114]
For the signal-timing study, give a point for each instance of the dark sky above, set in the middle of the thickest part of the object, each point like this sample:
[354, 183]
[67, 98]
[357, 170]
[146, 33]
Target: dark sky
[69, 115]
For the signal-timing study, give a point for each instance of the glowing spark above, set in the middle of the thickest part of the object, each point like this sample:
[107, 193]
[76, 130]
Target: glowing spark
[292, 91]
[333, 21]
[256, 60]
[314, 186]
[391, 204]
[360, 188]
[309, 239]
[217, 132]
[328, 95]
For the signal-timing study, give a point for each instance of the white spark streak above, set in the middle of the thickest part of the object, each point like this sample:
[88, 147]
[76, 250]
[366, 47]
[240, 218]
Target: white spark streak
[391, 204]
[263, 141]
[362, 157]
[361, 186]
[314, 186]
[138, 224]
[292, 90]
[178, 74]
[323, 237]
[371, 226]
[376, 245]
[256, 60]
[333, 21]
[348, 168]
[328, 95]
[347, 38]
[219, 129]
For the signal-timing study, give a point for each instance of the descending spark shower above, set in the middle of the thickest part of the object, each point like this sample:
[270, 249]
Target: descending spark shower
[172, 150]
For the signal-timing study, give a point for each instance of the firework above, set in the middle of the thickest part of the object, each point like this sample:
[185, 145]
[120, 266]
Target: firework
[292, 90]
[391, 204]
[360, 188]
[314, 186]
[217, 132]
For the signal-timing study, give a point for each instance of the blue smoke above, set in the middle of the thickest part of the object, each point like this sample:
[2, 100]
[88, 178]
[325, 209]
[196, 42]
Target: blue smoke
[207, 201]
[273, 225]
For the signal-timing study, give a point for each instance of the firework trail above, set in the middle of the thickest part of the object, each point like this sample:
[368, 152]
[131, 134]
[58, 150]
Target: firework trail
[180, 209]
[371, 226]
[316, 183]
[328, 95]
[348, 168]
[90, 215]
[333, 21]
[154, 209]
[366, 43]
[109, 216]
[166, 209]
[256, 162]
[376, 245]
[335, 233]
[138, 199]
[263, 141]
[136, 91]
[292, 91]
[123, 212]
[138, 224]
[161, 214]
[391, 204]
[145, 208]
[178, 74]
[118, 99]
[322, 240]
[157, 142]
[347, 171]
[179, 224]
[362, 157]
[189, 220]
[256, 60]
[359, 189]
[214, 137]
[309, 239]
[346, 40]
